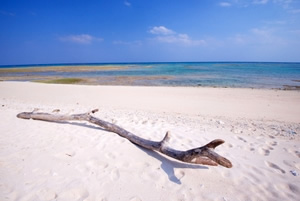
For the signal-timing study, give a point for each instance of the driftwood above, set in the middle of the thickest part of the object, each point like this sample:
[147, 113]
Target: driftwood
[204, 155]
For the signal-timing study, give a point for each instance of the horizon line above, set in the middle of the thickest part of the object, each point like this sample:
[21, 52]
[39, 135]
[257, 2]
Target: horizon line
[124, 63]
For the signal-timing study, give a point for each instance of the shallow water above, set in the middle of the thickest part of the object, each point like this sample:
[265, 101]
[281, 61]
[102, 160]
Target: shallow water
[216, 74]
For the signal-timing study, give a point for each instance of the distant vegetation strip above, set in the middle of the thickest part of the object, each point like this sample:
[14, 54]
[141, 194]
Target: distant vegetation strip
[62, 81]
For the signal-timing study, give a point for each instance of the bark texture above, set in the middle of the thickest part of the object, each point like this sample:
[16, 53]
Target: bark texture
[204, 155]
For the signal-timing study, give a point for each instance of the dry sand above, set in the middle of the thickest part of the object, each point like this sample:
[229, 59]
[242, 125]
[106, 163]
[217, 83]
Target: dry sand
[77, 161]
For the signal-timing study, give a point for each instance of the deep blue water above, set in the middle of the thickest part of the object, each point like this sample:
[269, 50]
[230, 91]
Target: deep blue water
[219, 74]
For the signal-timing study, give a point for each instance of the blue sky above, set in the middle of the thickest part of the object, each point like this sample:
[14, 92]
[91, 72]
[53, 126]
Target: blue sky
[85, 31]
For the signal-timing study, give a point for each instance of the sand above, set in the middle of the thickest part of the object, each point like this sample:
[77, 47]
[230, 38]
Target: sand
[77, 161]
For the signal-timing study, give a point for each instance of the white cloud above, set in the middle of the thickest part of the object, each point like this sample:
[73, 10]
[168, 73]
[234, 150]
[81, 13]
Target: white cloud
[283, 1]
[261, 32]
[225, 4]
[295, 11]
[296, 31]
[289, 5]
[180, 39]
[133, 43]
[260, 1]
[3, 12]
[258, 36]
[275, 22]
[266, 36]
[161, 30]
[286, 4]
[166, 35]
[127, 3]
[80, 39]
[239, 39]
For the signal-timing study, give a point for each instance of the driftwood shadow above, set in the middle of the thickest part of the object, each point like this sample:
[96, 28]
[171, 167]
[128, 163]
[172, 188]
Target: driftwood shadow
[169, 165]
[87, 126]
[78, 124]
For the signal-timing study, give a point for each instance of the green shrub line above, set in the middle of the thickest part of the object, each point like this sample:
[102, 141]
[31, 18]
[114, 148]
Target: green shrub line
[61, 81]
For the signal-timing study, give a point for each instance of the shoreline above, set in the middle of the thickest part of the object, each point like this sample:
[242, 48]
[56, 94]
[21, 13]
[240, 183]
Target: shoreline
[128, 82]
[142, 63]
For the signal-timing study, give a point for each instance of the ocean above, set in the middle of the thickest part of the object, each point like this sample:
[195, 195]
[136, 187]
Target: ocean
[210, 74]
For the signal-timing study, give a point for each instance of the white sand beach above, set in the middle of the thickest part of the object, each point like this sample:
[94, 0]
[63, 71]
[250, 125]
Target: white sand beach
[78, 161]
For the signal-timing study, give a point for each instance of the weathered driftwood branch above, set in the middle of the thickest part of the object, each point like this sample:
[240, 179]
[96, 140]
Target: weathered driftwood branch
[204, 155]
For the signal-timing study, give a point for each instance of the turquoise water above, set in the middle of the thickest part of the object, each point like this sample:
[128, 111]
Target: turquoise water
[219, 74]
